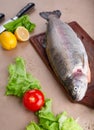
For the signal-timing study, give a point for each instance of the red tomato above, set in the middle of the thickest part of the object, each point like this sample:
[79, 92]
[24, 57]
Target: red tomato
[33, 100]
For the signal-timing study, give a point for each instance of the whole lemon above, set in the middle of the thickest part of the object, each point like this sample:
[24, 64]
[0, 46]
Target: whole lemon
[8, 40]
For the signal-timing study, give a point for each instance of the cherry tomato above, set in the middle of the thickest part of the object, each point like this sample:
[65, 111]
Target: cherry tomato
[33, 100]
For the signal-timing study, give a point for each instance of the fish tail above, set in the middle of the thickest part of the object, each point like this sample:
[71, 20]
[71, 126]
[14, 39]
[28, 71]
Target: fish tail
[45, 15]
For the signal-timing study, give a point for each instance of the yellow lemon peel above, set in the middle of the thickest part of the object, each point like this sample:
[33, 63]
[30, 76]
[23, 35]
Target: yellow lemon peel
[8, 40]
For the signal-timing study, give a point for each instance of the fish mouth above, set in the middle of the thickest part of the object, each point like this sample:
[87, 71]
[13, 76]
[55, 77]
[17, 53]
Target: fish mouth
[77, 96]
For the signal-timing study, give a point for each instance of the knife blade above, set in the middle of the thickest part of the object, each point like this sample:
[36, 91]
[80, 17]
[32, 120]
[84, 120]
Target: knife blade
[19, 14]
[2, 16]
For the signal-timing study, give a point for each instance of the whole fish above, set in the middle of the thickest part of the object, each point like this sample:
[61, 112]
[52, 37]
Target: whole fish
[67, 55]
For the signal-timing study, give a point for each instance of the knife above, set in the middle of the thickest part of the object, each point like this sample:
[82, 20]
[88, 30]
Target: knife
[19, 14]
[1, 16]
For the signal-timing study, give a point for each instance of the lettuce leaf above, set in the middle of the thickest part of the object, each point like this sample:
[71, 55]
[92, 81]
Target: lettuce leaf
[67, 123]
[19, 80]
[33, 126]
[22, 21]
[48, 121]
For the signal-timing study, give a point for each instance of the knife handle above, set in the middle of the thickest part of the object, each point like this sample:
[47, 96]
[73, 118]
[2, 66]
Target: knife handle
[25, 9]
[2, 15]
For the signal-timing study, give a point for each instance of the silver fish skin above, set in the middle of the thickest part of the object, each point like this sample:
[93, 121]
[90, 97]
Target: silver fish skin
[67, 56]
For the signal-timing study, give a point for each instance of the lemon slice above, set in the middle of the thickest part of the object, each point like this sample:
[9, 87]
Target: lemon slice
[21, 33]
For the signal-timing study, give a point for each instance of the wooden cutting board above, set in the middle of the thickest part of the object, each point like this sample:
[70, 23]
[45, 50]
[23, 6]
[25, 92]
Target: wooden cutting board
[38, 40]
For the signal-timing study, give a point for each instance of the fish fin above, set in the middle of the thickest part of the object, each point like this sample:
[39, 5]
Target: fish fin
[44, 43]
[86, 64]
[45, 15]
[89, 74]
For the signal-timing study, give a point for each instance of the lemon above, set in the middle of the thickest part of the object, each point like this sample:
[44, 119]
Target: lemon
[8, 40]
[21, 33]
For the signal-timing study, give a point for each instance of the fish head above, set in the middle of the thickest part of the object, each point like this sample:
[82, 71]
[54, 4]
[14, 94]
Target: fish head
[79, 84]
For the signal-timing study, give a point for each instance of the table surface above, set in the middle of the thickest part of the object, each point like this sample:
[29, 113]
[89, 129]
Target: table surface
[13, 116]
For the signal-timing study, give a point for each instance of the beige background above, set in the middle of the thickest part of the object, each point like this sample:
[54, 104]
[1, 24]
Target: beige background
[13, 116]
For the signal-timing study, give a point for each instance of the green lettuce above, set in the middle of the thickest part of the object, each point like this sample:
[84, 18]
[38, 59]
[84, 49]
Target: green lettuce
[67, 123]
[48, 121]
[46, 117]
[33, 126]
[22, 21]
[19, 80]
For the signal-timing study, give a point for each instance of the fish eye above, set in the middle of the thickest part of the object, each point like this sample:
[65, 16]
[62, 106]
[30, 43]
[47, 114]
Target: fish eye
[75, 88]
